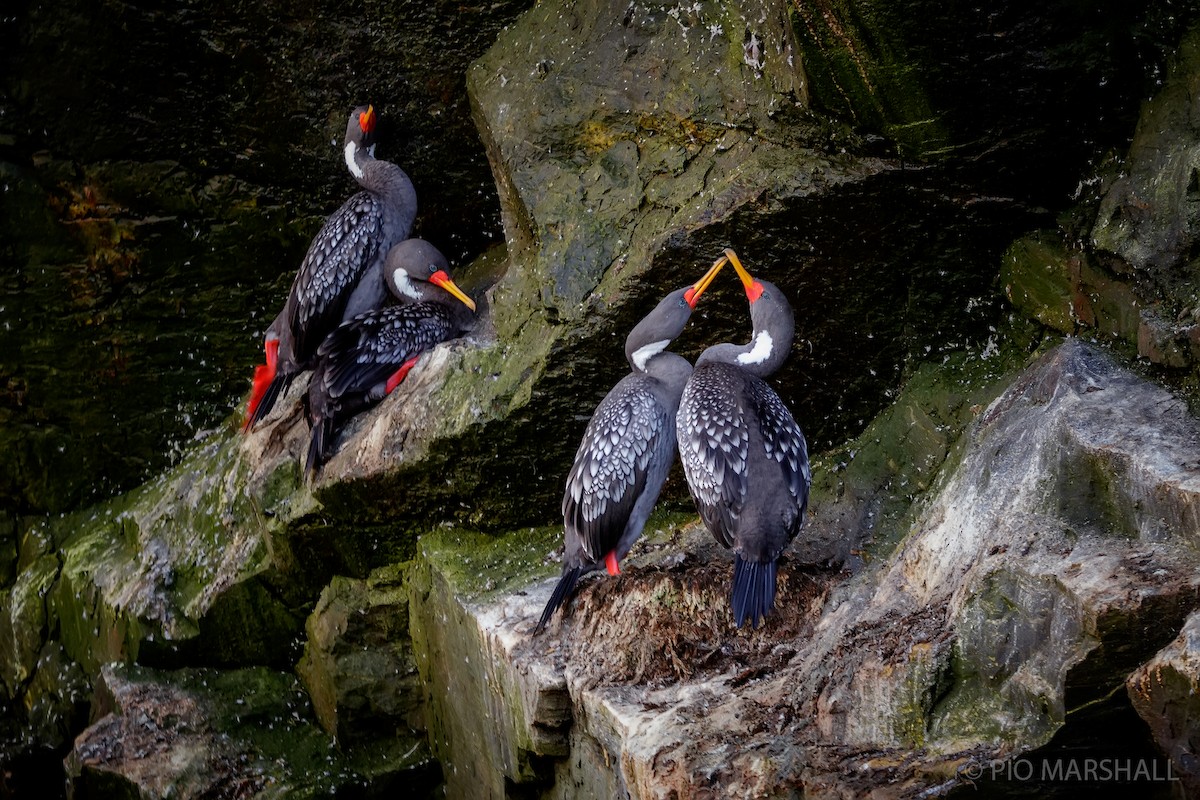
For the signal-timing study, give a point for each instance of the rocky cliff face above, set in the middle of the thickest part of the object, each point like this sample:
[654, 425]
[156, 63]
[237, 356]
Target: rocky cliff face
[1003, 523]
[1054, 554]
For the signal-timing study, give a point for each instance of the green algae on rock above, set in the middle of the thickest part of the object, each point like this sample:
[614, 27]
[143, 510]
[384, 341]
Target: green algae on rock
[358, 666]
[867, 493]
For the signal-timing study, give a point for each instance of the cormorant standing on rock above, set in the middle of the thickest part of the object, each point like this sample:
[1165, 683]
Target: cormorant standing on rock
[342, 273]
[744, 456]
[628, 447]
[367, 357]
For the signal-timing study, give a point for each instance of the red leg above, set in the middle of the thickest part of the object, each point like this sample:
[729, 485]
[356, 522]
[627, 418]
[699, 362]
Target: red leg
[263, 375]
[610, 563]
[399, 375]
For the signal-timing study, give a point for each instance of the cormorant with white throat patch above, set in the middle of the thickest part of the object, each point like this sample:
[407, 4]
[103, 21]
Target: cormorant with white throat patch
[342, 273]
[743, 454]
[628, 447]
[367, 357]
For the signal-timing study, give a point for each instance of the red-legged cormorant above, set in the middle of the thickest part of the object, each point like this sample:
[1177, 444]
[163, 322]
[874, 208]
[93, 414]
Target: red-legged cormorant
[342, 273]
[628, 447]
[367, 357]
[743, 454]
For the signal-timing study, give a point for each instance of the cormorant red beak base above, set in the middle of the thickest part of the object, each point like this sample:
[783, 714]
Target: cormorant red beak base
[366, 120]
[753, 288]
[692, 295]
[440, 278]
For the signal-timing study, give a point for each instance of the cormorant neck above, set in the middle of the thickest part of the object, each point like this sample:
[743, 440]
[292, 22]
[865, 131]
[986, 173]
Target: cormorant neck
[389, 182]
[724, 353]
[766, 351]
[759, 350]
[640, 358]
[670, 369]
[774, 326]
[356, 159]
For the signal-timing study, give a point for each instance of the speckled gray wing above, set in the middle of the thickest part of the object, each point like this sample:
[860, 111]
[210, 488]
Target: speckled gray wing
[365, 351]
[627, 435]
[784, 443]
[713, 446]
[337, 258]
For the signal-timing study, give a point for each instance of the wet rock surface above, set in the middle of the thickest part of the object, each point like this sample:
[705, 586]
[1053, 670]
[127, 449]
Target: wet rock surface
[1163, 690]
[203, 733]
[1147, 216]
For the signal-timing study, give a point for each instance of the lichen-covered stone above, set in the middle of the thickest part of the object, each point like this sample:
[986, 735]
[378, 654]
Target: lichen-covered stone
[866, 493]
[161, 564]
[182, 570]
[611, 133]
[1068, 291]
[490, 721]
[1040, 278]
[1051, 572]
[24, 626]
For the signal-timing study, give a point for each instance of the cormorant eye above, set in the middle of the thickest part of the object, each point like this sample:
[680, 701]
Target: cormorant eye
[432, 268]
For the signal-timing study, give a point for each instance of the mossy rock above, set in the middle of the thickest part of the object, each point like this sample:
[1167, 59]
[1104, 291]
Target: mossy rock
[868, 493]
[358, 665]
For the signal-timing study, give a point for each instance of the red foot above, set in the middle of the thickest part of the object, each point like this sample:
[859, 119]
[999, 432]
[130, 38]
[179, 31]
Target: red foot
[610, 563]
[263, 375]
[399, 375]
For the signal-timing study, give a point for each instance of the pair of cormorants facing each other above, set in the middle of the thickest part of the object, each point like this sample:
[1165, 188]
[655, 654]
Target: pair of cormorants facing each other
[744, 456]
[336, 321]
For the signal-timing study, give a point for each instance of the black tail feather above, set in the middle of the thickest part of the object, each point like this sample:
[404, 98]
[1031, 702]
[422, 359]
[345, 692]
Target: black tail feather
[323, 434]
[562, 592]
[753, 590]
[278, 386]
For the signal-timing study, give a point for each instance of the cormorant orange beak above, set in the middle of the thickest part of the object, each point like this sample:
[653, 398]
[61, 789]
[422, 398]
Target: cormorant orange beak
[753, 288]
[366, 120]
[692, 295]
[440, 278]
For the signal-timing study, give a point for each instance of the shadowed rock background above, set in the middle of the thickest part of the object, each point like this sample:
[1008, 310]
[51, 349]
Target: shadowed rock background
[1004, 524]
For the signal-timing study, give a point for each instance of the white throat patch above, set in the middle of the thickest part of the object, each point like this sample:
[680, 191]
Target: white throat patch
[405, 285]
[355, 169]
[761, 350]
[643, 354]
